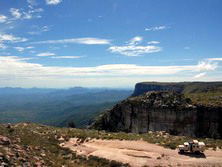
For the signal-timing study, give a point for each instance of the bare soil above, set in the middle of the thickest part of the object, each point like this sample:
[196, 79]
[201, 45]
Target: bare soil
[141, 153]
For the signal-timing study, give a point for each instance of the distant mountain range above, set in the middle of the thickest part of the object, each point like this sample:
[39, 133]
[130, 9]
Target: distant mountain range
[57, 106]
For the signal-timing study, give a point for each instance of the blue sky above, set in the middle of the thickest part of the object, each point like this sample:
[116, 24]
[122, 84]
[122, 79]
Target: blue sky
[109, 43]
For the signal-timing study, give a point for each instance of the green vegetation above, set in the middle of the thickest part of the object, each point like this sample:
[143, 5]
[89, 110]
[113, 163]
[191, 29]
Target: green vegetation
[203, 93]
[40, 144]
[57, 107]
[208, 98]
[81, 115]
[164, 139]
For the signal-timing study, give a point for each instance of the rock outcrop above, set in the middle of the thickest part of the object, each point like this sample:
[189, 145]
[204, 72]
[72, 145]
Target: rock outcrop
[180, 87]
[162, 111]
[144, 87]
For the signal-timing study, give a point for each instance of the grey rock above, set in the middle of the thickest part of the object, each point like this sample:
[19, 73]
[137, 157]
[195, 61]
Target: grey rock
[162, 111]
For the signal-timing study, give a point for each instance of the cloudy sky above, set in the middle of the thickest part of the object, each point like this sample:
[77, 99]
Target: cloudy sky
[109, 43]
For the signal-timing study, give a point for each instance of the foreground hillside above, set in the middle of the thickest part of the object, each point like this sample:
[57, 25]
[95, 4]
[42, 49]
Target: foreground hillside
[28, 144]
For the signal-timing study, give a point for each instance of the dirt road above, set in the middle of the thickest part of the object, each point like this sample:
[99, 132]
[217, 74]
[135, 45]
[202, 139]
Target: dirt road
[141, 153]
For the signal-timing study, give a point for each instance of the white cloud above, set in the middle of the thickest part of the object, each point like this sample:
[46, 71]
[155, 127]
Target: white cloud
[215, 59]
[30, 47]
[3, 18]
[54, 47]
[67, 57]
[156, 28]
[53, 2]
[15, 71]
[136, 40]
[39, 30]
[171, 60]
[37, 10]
[15, 67]
[132, 49]
[46, 54]
[27, 16]
[87, 41]
[200, 75]
[11, 38]
[187, 48]
[206, 66]
[5, 53]
[15, 13]
[21, 14]
[153, 42]
[31, 2]
[20, 49]
[3, 46]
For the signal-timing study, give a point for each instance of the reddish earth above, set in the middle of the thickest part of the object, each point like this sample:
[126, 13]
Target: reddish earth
[141, 153]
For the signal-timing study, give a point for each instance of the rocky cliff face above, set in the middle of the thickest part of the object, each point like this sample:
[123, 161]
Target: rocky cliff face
[162, 111]
[141, 88]
[180, 87]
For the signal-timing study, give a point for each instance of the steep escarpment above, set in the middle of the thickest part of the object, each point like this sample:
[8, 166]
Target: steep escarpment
[144, 87]
[180, 87]
[162, 111]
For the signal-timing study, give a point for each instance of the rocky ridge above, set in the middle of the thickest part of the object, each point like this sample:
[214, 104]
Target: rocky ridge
[162, 111]
[180, 87]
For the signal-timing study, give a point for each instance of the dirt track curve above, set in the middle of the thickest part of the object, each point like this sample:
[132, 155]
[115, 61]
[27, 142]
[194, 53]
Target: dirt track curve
[141, 153]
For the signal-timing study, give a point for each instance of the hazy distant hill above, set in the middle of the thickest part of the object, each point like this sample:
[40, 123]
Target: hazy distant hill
[55, 106]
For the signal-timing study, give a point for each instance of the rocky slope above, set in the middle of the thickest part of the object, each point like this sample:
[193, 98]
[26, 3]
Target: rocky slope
[162, 111]
[27, 144]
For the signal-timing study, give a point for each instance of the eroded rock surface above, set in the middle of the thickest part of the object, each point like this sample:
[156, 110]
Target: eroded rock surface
[162, 111]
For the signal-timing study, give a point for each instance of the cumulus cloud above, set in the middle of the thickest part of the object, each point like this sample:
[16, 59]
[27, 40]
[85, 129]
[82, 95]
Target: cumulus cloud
[21, 14]
[87, 41]
[11, 38]
[15, 13]
[45, 54]
[132, 49]
[156, 28]
[206, 66]
[136, 40]
[3, 18]
[53, 2]
[200, 75]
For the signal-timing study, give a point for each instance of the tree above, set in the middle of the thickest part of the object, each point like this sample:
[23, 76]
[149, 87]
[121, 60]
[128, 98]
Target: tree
[71, 124]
